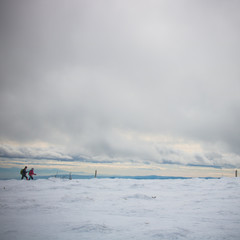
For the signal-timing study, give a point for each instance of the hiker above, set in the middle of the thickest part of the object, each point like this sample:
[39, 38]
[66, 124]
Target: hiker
[24, 173]
[31, 173]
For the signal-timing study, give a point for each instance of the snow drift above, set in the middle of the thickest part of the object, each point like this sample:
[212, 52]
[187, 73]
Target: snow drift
[111, 209]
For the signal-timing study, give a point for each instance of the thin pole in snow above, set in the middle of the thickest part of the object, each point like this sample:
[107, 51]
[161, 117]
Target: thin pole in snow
[95, 173]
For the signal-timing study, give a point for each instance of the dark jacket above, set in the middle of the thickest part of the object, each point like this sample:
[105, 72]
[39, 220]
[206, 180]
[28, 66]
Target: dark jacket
[24, 172]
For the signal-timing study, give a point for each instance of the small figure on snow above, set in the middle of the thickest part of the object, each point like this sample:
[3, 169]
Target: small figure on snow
[24, 173]
[31, 173]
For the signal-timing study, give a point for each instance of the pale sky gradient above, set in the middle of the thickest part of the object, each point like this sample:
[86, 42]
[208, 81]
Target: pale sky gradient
[137, 84]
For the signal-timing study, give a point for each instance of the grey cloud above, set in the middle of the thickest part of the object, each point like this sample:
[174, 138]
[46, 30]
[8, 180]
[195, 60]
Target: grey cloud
[74, 72]
[7, 151]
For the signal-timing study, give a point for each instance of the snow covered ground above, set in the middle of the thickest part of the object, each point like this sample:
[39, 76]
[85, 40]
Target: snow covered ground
[105, 209]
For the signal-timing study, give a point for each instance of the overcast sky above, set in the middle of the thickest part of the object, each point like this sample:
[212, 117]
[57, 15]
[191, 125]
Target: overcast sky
[146, 82]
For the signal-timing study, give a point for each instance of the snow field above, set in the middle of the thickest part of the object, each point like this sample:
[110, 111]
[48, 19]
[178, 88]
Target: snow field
[115, 209]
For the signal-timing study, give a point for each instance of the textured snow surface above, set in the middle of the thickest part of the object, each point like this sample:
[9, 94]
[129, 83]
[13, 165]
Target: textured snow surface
[105, 209]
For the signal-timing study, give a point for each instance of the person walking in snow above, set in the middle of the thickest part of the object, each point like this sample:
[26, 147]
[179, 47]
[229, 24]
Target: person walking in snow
[24, 173]
[31, 173]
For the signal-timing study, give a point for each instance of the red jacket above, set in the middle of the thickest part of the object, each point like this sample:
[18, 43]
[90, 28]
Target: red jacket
[31, 173]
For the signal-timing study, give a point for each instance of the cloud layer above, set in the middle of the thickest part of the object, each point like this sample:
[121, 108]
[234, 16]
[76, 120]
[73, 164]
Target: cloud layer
[145, 81]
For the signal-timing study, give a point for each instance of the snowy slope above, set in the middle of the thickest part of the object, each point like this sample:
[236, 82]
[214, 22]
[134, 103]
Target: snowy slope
[105, 209]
